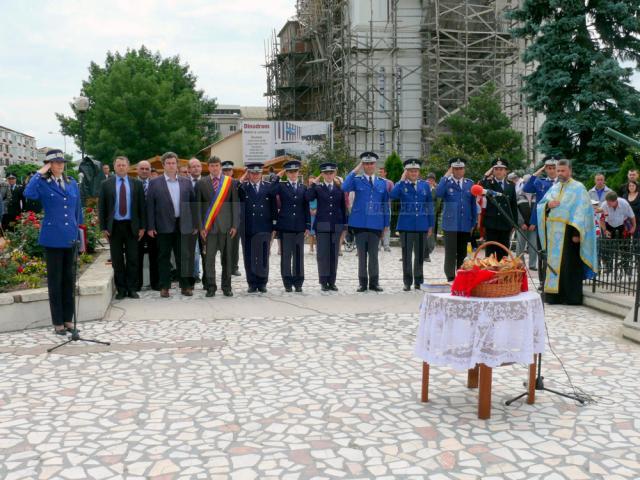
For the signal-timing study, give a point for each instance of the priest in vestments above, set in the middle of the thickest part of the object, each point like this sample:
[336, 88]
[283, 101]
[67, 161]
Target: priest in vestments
[568, 234]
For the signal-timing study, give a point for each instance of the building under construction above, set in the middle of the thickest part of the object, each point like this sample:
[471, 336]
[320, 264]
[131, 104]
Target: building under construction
[389, 72]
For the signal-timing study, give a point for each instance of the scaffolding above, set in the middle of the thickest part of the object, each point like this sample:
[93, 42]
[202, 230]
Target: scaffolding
[388, 73]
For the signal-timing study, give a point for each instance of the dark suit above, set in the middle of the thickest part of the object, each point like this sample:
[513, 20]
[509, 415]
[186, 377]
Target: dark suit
[174, 233]
[218, 238]
[497, 227]
[148, 245]
[293, 219]
[258, 216]
[123, 234]
[13, 206]
[331, 218]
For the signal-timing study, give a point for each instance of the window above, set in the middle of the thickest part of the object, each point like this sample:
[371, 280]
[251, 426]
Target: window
[232, 128]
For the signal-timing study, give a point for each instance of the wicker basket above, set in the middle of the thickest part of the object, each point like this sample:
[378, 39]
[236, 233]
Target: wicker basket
[504, 283]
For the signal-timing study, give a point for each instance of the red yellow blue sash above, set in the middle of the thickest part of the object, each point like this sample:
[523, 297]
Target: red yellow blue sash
[216, 203]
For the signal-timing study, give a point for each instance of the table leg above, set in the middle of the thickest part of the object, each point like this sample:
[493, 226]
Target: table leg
[472, 377]
[484, 393]
[531, 395]
[425, 382]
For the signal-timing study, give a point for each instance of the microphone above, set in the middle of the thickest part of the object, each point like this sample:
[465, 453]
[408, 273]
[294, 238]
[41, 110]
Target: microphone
[478, 191]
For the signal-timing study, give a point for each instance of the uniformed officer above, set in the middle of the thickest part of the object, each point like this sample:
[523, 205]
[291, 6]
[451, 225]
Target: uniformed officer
[459, 214]
[60, 198]
[13, 203]
[415, 221]
[259, 214]
[293, 224]
[540, 185]
[369, 217]
[497, 227]
[227, 169]
[331, 219]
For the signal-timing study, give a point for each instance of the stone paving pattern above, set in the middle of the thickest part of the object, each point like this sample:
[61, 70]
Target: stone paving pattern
[322, 395]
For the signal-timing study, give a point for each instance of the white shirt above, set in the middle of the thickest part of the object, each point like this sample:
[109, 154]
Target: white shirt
[174, 191]
[615, 217]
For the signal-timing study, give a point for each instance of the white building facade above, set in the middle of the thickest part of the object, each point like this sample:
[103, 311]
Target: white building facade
[16, 147]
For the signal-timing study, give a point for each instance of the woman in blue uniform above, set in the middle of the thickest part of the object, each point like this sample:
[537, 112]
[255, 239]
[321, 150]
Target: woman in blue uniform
[60, 199]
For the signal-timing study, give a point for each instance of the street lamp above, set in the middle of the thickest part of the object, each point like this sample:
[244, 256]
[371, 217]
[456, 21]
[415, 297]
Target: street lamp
[81, 105]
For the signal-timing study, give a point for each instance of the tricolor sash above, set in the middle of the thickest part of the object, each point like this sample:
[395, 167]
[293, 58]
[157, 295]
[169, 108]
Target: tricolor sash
[219, 198]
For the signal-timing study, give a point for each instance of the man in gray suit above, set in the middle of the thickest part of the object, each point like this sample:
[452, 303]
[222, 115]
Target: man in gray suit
[171, 218]
[219, 235]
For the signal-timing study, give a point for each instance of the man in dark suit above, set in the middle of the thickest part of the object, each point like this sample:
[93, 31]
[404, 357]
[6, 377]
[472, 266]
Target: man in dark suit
[121, 210]
[497, 227]
[170, 217]
[13, 204]
[259, 212]
[227, 169]
[293, 224]
[217, 232]
[147, 244]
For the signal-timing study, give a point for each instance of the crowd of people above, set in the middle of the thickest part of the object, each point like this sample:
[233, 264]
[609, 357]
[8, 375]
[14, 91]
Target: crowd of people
[182, 218]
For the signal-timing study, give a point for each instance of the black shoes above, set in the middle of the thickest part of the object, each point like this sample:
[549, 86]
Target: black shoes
[361, 289]
[299, 289]
[133, 295]
[227, 293]
[120, 295]
[332, 286]
[252, 290]
[262, 289]
[62, 332]
[288, 289]
[417, 287]
[407, 288]
[210, 292]
[325, 287]
[236, 273]
[376, 288]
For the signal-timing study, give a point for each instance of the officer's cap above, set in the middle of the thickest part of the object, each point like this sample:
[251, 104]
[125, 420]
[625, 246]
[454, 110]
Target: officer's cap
[550, 160]
[500, 163]
[54, 155]
[255, 167]
[292, 165]
[412, 163]
[11, 175]
[513, 176]
[431, 175]
[328, 167]
[369, 157]
[457, 162]
[227, 164]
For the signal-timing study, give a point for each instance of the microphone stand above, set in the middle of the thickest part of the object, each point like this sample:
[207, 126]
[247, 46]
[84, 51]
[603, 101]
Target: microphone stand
[543, 257]
[75, 334]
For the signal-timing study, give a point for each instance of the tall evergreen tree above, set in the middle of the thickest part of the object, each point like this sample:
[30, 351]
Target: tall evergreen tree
[578, 82]
[141, 105]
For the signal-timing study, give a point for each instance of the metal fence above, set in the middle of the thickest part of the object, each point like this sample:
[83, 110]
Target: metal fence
[619, 268]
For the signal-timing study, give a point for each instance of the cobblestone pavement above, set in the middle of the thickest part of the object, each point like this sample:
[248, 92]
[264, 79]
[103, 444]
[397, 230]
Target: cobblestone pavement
[322, 395]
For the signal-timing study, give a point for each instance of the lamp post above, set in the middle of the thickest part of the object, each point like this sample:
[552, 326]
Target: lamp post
[64, 139]
[81, 105]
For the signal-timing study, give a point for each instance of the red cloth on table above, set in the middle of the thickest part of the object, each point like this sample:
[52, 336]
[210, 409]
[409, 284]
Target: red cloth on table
[467, 280]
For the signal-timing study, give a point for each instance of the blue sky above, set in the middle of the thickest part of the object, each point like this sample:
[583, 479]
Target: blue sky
[46, 48]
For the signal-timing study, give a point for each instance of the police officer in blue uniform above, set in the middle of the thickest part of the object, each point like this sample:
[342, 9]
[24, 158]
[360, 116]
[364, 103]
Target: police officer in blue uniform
[369, 217]
[331, 219]
[540, 185]
[227, 169]
[497, 227]
[259, 212]
[415, 221]
[59, 234]
[293, 224]
[459, 214]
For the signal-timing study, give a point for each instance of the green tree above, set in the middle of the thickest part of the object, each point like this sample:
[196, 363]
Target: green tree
[394, 167]
[578, 82]
[141, 105]
[21, 170]
[480, 131]
[620, 178]
[337, 153]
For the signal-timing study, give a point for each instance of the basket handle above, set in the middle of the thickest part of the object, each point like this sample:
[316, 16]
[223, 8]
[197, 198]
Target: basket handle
[486, 244]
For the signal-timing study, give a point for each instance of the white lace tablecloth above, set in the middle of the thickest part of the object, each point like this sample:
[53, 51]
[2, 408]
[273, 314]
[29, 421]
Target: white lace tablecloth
[460, 332]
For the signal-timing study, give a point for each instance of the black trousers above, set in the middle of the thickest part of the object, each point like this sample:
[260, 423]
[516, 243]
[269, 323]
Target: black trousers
[183, 248]
[413, 250]
[218, 242]
[149, 246]
[327, 256]
[367, 242]
[235, 252]
[255, 250]
[123, 246]
[292, 259]
[501, 236]
[61, 282]
[455, 251]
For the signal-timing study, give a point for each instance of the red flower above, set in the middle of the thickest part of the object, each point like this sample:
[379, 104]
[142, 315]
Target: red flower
[89, 210]
[20, 269]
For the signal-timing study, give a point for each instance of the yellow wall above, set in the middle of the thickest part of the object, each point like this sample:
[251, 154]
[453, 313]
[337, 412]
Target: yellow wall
[229, 149]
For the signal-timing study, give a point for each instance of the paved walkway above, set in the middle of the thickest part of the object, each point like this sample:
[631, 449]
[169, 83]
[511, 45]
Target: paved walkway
[310, 385]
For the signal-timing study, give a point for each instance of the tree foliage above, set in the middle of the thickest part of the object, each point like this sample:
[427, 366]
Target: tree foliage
[141, 105]
[578, 82]
[394, 167]
[480, 131]
[337, 153]
[21, 170]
